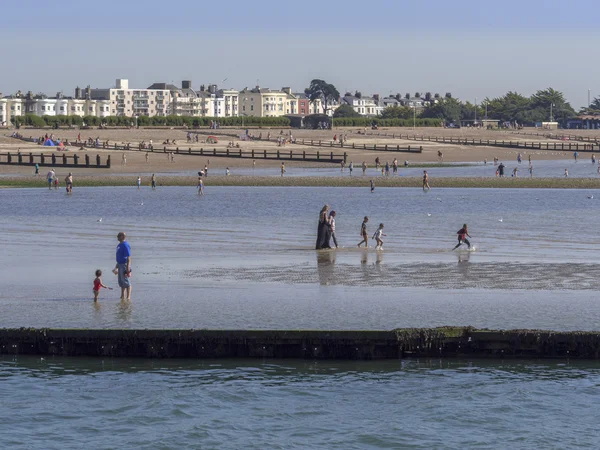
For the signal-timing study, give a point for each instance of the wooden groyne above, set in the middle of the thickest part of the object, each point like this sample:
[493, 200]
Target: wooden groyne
[447, 342]
[551, 146]
[53, 160]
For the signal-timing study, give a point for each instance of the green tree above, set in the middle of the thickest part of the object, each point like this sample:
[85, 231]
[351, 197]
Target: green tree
[321, 90]
[345, 111]
[542, 102]
[397, 112]
[447, 109]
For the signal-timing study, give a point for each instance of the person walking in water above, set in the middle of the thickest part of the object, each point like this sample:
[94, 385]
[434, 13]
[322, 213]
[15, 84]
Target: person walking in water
[351, 167]
[153, 182]
[372, 186]
[282, 169]
[462, 237]
[364, 234]
[200, 184]
[426, 181]
[123, 266]
[51, 175]
[332, 226]
[364, 167]
[69, 183]
[377, 237]
[576, 155]
[139, 182]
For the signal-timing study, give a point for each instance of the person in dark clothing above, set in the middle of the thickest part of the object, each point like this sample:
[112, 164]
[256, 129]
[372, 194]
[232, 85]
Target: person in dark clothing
[501, 170]
[462, 237]
[323, 230]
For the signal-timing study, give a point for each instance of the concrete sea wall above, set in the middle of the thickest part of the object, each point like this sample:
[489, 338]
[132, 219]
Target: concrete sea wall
[350, 345]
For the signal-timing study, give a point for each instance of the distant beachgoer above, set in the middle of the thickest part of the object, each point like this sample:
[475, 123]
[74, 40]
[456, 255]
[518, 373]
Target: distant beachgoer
[519, 158]
[282, 168]
[426, 180]
[123, 266]
[50, 176]
[69, 182]
[566, 173]
[98, 284]
[405, 163]
[323, 230]
[227, 173]
[205, 170]
[200, 184]
[123, 159]
[364, 234]
[531, 170]
[395, 166]
[372, 186]
[593, 159]
[462, 237]
[342, 166]
[147, 157]
[139, 182]
[387, 169]
[530, 159]
[37, 169]
[575, 155]
[515, 172]
[377, 162]
[332, 215]
[56, 183]
[153, 182]
[364, 167]
[440, 156]
[501, 170]
[377, 236]
[351, 167]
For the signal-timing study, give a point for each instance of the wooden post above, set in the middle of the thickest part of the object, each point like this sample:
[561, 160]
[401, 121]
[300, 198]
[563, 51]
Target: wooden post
[252, 153]
[227, 152]
[64, 157]
[214, 152]
[277, 154]
[87, 160]
[332, 156]
[108, 162]
[240, 152]
[75, 159]
[265, 155]
[304, 154]
[421, 149]
[291, 155]
[97, 160]
[190, 150]
[345, 157]
[317, 155]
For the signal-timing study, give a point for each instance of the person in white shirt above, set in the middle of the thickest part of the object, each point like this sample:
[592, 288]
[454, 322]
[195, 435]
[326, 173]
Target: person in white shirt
[332, 226]
[377, 237]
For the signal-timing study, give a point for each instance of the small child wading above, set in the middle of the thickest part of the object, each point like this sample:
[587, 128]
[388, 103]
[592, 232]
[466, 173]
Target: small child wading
[377, 237]
[98, 284]
[363, 233]
[462, 233]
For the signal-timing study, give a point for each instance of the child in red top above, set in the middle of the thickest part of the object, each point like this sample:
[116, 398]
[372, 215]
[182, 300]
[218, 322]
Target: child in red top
[98, 284]
[462, 233]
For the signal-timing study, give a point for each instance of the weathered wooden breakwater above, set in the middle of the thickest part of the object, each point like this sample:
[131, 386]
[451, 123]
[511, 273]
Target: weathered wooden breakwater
[53, 160]
[351, 345]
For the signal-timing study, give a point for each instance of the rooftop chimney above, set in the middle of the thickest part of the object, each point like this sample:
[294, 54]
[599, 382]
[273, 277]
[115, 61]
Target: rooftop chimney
[186, 84]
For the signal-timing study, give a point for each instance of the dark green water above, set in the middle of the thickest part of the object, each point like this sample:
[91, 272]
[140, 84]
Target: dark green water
[62, 403]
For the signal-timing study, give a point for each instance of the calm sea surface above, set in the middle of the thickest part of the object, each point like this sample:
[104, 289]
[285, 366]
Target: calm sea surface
[61, 403]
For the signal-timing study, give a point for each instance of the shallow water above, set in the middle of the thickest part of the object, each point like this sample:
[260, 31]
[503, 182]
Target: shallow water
[418, 404]
[243, 258]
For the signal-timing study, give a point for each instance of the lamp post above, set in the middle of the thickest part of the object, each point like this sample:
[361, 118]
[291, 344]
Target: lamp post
[551, 115]
[475, 121]
[589, 93]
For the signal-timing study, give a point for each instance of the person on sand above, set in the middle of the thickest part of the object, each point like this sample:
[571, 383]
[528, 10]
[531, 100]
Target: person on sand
[462, 233]
[123, 266]
[282, 169]
[364, 167]
[364, 234]
[576, 155]
[98, 284]
[426, 181]
[323, 230]
[377, 237]
[395, 166]
[123, 159]
[377, 163]
[147, 157]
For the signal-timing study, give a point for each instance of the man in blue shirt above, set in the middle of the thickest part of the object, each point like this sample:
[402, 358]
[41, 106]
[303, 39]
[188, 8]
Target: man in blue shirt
[123, 267]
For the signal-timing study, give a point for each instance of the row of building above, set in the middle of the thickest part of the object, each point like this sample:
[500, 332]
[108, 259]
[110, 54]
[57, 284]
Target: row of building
[163, 99]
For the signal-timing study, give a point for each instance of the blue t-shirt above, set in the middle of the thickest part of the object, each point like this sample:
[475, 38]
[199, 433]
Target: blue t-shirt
[123, 251]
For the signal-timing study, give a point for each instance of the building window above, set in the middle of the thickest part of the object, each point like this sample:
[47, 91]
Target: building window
[251, 107]
[244, 108]
[62, 108]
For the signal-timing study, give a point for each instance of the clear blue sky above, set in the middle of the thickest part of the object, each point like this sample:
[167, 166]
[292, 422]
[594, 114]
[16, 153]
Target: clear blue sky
[470, 48]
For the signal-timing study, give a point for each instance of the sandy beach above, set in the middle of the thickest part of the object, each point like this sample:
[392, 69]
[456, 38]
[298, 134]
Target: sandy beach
[158, 162]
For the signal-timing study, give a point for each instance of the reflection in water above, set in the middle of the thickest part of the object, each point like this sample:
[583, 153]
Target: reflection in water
[326, 266]
[124, 310]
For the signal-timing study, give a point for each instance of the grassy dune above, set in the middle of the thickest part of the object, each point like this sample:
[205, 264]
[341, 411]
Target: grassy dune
[346, 181]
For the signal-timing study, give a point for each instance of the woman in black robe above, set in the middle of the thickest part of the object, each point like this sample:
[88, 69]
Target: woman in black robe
[323, 230]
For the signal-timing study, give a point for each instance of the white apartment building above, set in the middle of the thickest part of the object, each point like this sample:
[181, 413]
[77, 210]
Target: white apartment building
[365, 106]
[11, 107]
[134, 102]
[262, 102]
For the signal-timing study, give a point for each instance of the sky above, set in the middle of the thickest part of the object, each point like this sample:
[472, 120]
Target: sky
[472, 49]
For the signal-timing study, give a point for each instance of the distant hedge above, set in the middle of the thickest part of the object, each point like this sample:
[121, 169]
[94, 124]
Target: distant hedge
[369, 121]
[144, 121]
